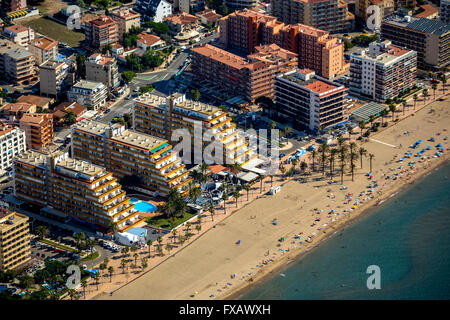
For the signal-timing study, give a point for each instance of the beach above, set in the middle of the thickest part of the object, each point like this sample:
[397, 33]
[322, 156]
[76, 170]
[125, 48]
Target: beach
[245, 247]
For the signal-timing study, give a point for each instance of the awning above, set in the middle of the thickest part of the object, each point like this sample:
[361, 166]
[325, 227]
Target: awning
[252, 163]
[247, 176]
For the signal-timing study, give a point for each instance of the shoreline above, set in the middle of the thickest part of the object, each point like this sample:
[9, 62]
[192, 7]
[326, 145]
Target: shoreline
[368, 208]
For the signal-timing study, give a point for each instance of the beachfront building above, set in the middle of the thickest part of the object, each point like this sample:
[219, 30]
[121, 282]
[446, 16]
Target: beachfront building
[66, 187]
[330, 15]
[126, 19]
[100, 68]
[243, 31]
[15, 249]
[249, 78]
[12, 142]
[154, 10]
[19, 34]
[307, 101]
[162, 116]
[16, 63]
[382, 71]
[130, 153]
[429, 38]
[43, 49]
[100, 31]
[38, 128]
[88, 93]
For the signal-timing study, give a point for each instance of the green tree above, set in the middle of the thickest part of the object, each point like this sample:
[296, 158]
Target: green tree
[195, 94]
[424, 93]
[81, 66]
[415, 97]
[41, 231]
[224, 198]
[127, 76]
[110, 271]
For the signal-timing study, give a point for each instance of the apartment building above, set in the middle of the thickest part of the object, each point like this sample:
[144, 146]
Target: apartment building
[196, 5]
[38, 128]
[17, 109]
[128, 152]
[100, 68]
[241, 4]
[182, 22]
[88, 93]
[249, 78]
[16, 63]
[429, 38]
[126, 19]
[19, 34]
[12, 143]
[155, 10]
[66, 187]
[310, 102]
[15, 249]
[444, 11]
[244, 30]
[329, 15]
[167, 117]
[100, 31]
[382, 71]
[43, 49]
[53, 77]
[386, 8]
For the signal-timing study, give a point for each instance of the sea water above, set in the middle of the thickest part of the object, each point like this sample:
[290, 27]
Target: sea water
[407, 237]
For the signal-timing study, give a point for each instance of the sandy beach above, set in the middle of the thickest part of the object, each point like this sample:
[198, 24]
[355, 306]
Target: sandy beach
[244, 247]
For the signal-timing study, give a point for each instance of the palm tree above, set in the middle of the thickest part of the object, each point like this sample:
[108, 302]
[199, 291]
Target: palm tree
[84, 285]
[392, 109]
[362, 152]
[371, 120]
[247, 187]
[123, 264]
[434, 87]
[236, 195]
[362, 124]
[383, 114]
[353, 157]
[170, 247]
[149, 243]
[313, 156]
[125, 250]
[444, 81]
[371, 156]
[271, 180]
[303, 166]
[72, 293]
[42, 232]
[135, 256]
[404, 103]
[343, 152]
[198, 228]
[194, 193]
[350, 131]
[424, 93]
[283, 171]
[224, 198]
[110, 271]
[323, 148]
[415, 97]
[235, 168]
[144, 263]
[294, 163]
[97, 278]
[211, 210]
[261, 178]
[333, 153]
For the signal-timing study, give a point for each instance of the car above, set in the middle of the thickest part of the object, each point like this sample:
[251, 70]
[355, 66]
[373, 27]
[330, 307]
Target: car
[107, 110]
[282, 155]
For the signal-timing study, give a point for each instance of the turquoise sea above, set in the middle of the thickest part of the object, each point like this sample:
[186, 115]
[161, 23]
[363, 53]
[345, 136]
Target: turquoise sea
[408, 237]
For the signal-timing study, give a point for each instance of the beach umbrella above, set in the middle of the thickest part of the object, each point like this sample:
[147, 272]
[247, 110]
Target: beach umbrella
[275, 223]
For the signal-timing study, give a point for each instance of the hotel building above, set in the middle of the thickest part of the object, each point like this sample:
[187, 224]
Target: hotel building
[128, 153]
[429, 38]
[12, 142]
[249, 78]
[38, 128]
[101, 31]
[244, 30]
[161, 116]
[382, 71]
[67, 187]
[43, 49]
[126, 19]
[88, 93]
[310, 102]
[330, 15]
[100, 68]
[15, 249]
[16, 63]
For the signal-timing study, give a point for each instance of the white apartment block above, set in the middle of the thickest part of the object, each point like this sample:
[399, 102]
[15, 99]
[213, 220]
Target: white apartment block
[19, 34]
[88, 93]
[154, 10]
[12, 142]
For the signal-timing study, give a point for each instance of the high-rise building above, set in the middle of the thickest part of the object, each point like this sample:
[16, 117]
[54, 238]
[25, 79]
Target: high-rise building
[155, 10]
[100, 68]
[88, 93]
[67, 187]
[444, 11]
[244, 30]
[126, 19]
[15, 249]
[38, 128]
[43, 49]
[163, 116]
[12, 142]
[130, 153]
[100, 31]
[329, 15]
[382, 71]
[53, 77]
[429, 38]
[16, 63]
[249, 78]
[310, 102]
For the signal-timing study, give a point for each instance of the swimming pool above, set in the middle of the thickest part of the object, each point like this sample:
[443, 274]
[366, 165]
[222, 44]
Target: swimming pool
[134, 200]
[144, 206]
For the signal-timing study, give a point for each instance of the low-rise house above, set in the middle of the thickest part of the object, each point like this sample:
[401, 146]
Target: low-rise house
[19, 34]
[40, 102]
[208, 17]
[181, 22]
[149, 41]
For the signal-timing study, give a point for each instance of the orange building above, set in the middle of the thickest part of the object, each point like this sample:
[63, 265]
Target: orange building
[100, 31]
[250, 78]
[38, 129]
[316, 49]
